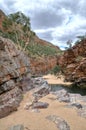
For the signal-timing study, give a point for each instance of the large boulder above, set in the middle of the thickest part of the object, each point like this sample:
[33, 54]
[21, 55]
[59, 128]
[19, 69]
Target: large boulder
[9, 101]
[41, 88]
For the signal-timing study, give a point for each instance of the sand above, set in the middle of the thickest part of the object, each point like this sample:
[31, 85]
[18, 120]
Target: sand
[52, 79]
[38, 121]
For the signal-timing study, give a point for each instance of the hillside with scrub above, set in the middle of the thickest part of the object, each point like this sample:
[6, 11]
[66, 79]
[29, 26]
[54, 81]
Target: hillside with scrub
[17, 27]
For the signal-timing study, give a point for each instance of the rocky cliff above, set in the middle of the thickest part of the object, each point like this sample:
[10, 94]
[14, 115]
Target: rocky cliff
[14, 65]
[73, 63]
[40, 66]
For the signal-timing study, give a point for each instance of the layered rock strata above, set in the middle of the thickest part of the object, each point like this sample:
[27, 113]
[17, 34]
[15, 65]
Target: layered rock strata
[14, 65]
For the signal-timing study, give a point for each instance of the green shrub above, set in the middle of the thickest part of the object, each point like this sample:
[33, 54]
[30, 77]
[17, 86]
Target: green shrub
[79, 58]
[38, 49]
[56, 70]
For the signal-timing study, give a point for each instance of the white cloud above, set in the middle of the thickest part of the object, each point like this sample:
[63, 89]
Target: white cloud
[53, 20]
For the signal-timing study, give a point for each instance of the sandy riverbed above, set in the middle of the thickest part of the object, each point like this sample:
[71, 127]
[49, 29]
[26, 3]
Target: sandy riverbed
[52, 79]
[38, 121]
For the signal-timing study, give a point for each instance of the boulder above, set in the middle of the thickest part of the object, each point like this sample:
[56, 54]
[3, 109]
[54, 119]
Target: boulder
[40, 105]
[63, 95]
[77, 105]
[60, 123]
[9, 101]
[41, 88]
[17, 127]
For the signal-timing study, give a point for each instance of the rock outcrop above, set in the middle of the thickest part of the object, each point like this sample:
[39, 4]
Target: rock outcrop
[14, 65]
[41, 65]
[74, 63]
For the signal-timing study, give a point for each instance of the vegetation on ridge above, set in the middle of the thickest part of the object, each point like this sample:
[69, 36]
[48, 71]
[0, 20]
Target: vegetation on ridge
[17, 28]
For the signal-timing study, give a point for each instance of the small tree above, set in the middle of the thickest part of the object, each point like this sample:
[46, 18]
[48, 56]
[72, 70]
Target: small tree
[20, 18]
[56, 69]
[6, 23]
[69, 43]
[12, 22]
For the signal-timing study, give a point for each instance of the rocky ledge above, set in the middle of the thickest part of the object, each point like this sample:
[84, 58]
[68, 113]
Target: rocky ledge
[72, 100]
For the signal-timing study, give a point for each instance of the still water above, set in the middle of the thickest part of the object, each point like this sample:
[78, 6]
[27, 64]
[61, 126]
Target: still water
[71, 89]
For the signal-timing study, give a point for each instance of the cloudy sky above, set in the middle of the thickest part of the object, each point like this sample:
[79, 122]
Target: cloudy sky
[56, 21]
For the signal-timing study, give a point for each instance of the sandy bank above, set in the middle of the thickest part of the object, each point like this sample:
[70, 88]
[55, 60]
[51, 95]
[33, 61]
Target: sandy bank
[52, 79]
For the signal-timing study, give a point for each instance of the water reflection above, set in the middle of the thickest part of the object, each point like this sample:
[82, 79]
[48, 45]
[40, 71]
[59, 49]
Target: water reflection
[71, 89]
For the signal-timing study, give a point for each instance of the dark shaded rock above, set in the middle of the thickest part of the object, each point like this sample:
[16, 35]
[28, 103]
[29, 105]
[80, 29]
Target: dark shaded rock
[26, 84]
[17, 127]
[2, 47]
[60, 123]
[36, 105]
[40, 105]
[77, 105]
[7, 86]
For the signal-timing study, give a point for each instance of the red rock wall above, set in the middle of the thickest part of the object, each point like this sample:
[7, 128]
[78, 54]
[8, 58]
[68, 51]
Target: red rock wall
[42, 65]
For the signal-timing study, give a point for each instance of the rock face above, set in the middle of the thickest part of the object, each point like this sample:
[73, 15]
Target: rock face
[42, 65]
[74, 62]
[14, 64]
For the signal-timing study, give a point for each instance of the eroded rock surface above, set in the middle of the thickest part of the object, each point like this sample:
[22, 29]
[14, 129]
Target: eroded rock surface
[14, 65]
[60, 123]
[41, 88]
[73, 63]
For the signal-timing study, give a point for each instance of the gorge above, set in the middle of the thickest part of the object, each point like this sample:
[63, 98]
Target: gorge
[24, 93]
